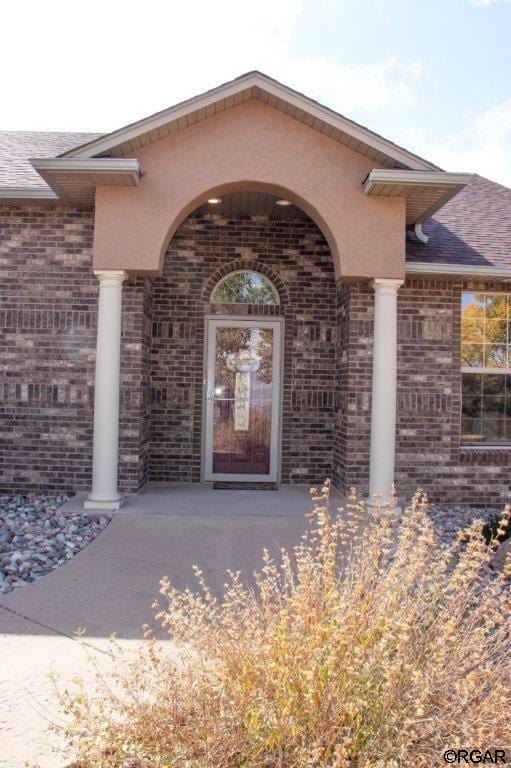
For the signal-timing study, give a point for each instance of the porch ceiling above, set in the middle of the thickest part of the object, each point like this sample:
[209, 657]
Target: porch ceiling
[425, 191]
[250, 203]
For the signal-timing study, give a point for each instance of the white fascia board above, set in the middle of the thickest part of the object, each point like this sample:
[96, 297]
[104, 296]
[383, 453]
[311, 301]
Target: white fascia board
[89, 165]
[264, 83]
[415, 178]
[46, 167]
[14, 194]
[458, 270]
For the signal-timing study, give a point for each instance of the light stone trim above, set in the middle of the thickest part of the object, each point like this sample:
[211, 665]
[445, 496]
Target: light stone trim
[104, 493]
[384, 389]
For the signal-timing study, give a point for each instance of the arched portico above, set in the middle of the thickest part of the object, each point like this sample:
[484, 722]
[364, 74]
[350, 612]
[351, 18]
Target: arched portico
[253, 146]
[256, 147]
[132, 188]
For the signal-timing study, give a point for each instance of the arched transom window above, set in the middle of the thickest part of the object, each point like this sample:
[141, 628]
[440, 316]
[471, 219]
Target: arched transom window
[245, 287]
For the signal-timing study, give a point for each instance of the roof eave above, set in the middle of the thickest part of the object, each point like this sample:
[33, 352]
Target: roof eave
[108, 165]
[383, 182]
[426, 178]
[86, 171]
[460, 271]
[265, 83]
[27, 194]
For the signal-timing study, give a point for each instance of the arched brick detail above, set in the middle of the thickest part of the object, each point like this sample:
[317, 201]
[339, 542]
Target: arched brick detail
[294, 255]
[241, 265]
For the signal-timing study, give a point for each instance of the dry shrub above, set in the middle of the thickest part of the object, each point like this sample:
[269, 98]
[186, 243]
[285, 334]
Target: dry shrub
[370, 645]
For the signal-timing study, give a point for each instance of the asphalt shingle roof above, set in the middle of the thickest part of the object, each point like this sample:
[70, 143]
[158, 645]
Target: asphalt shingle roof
[17, 146]
[473, 228]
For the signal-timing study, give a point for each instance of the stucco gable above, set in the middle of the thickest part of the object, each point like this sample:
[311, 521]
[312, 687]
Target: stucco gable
[253, 86]
[256, 148]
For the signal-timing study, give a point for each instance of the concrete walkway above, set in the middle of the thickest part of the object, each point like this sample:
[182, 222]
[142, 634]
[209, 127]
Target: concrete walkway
[109, 587]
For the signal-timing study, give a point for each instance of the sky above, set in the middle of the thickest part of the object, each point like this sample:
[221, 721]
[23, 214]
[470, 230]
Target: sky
[432, 75]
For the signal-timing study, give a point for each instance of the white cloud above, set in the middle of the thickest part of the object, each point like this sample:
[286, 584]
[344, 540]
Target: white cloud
[487, 2]
[483, 146]
[360, 89]
[122, 60]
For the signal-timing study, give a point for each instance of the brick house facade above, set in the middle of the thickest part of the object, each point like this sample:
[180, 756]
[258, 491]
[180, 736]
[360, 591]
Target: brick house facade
[49, 331]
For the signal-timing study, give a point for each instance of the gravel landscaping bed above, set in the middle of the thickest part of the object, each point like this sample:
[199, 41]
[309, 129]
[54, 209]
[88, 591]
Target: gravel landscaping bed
[449, 520]
[36, 538]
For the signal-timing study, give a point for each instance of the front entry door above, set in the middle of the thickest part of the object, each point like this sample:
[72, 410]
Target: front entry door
[242, 400]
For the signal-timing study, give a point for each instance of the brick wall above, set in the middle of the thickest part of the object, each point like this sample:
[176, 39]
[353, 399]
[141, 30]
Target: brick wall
[134, 417]
[48, 298]
[353, 402]
[48, 310]
[295, 256]
[48, 305]
[428, 451]
[428, 398]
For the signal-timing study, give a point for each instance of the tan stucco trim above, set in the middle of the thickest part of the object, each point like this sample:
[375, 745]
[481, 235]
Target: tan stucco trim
[250, 147]
[252, 85]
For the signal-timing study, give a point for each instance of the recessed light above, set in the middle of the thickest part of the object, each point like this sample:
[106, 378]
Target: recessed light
[215, 200]
[283, 202]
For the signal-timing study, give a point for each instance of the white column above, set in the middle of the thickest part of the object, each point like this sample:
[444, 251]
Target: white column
[383, 405]
[104, 494]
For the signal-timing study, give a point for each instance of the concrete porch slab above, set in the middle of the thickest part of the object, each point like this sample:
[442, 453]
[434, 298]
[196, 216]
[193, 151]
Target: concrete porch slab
[203, 500]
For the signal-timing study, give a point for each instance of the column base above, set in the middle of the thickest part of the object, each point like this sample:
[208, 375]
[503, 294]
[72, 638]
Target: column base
[371, 505]
[114, 504]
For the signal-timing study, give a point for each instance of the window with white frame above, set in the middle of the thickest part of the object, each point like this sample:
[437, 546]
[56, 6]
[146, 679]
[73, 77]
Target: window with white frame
[486, 368]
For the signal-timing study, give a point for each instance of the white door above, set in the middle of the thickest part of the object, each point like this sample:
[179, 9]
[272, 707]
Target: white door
[242, 394]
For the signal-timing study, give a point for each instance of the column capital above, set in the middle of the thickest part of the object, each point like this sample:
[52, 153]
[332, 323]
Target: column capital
[111, 277]
[386, 285]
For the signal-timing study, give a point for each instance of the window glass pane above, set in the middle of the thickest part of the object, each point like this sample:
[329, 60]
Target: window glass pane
[492, 384]
[495, 306]
[486, 344]
[472, 407]
[473, 331]
[486, 408]
[245, 288]
[486, 321]
[472, 304]
[495, 331]
[493, 406]
[493, 430]
[472, 355]
[495, 355]
[471, 430]
[473, 383]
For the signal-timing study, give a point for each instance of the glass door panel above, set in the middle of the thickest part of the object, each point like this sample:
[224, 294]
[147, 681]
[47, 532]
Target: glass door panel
[242, 399]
